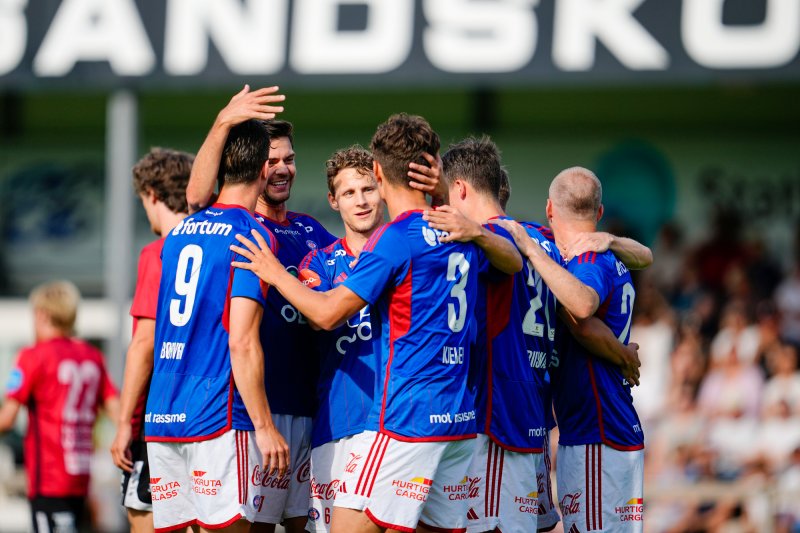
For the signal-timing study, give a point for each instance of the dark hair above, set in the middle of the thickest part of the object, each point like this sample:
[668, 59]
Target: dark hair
[245, 152]
[280, 128]
[476, 161]
[505, 189]
[355, 157]
[166, 173]
[400, 140]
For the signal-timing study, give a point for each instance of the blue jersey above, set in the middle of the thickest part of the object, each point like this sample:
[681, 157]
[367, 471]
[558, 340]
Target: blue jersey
[346, 383]
[421, 292]
[516, 315]
[291, 359]
[192, 391]
[559, 333]
[592, 399]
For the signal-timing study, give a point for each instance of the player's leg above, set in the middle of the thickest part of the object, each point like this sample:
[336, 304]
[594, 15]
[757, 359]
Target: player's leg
[620, 487]
[600, 489]
[56, 514]
[391, 481]
[447, 504]
[170, 485]
[279, 503]
[548, 517]
[136, 496]
[295, 511]
[350, 501]
[223, 490]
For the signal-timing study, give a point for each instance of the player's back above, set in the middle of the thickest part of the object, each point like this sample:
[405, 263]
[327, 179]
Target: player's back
[192, 394]
[422, 291]
[516, 317]
[64, 385]
[593, 400]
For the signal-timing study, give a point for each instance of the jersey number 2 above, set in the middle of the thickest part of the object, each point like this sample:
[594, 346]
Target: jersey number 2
[82, 378]
[186, 284]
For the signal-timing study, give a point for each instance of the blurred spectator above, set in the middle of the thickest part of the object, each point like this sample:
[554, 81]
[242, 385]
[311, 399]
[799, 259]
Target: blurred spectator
[722, 251]
[782, 390]
[768, 324]
[736, 335]
[654, 330]
[788, 489]
[732, 387]
[669, 249]
[787, 298]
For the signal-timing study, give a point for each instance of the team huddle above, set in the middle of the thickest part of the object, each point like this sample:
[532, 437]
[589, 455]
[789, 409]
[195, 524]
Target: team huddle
[403, 377]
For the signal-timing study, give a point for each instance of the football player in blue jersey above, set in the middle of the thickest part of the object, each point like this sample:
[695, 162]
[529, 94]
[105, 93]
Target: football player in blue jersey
[347, 376]
[409, 464]
[211, 437]
[289, 349]
[517, 316]
[600, 466]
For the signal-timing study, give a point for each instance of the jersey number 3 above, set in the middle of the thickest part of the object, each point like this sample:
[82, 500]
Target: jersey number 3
[456, 317]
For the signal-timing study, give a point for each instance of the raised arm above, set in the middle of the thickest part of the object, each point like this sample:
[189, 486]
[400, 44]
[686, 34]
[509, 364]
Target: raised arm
[244, 105]
[597, 337]
[500, 252]
[635, 255]
[247, 366]
[327, 310]
[138, 367]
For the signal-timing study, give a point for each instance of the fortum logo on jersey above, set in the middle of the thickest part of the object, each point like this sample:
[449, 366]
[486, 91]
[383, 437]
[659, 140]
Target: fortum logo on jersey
[204, 227]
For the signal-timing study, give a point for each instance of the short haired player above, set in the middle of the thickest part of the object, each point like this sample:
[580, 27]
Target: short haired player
[418, 439]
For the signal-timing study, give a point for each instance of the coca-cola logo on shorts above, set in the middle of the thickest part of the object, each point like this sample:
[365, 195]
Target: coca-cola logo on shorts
[304, 472]
[265, 479]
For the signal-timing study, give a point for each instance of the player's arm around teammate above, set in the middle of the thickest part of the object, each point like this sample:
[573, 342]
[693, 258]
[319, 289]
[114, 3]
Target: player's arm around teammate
[243, 106]
[499, 251]
[325, 309]
[578, 305]
[634, 254]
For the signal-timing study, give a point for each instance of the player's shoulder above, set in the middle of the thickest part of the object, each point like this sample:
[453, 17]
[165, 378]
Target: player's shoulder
[544, 231]
[152, 249]
[603, 260]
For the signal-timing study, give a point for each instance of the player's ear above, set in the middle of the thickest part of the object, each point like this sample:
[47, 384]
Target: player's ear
[462, 189]
[600, 213]
[548, 210]
[332, 202]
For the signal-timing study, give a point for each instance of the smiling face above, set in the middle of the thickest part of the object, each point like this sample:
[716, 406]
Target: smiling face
[357, 199]
[281, 172]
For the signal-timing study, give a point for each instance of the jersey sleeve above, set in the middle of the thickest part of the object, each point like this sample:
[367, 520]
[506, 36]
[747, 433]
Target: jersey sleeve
[590, 273]
[484, 266]
[246, 284]
[312, 272]
[145, 297]
[22, 380]
[385, 259]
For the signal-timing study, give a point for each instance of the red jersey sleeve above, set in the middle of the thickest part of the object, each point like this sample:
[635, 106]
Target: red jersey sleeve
[22, 380]
[145, 298]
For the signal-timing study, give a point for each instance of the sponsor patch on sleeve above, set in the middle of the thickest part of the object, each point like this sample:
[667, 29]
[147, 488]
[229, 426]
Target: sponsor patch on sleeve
[309, 278]
[15, 380]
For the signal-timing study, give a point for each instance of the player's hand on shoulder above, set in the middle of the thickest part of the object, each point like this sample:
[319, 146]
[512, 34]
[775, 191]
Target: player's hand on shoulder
[121, 448]
[262, 262]
[515, 229]
[596, 241]
[247, 104]
[274, 450]
[449, 219]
